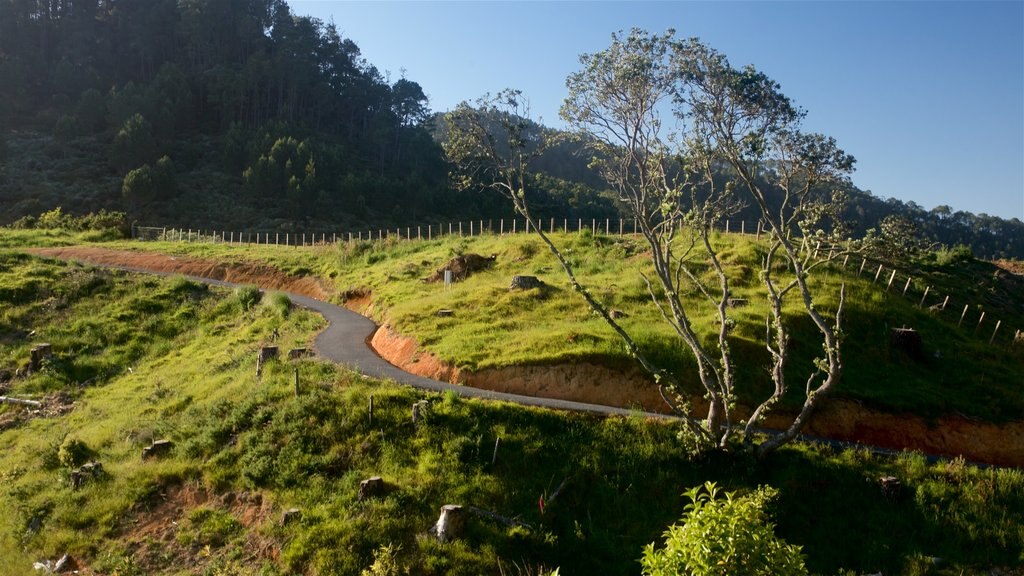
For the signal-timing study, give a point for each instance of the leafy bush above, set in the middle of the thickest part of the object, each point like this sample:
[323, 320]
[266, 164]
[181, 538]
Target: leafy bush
[57, 219]
[958, 254]
[724, 536]
[279, 302]
[73, 453]
[247, 297]
[134, 145]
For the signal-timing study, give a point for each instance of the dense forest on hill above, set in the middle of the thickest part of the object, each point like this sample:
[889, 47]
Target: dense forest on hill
[241, 113]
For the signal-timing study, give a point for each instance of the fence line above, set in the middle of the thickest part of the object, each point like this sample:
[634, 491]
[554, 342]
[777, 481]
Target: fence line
[620, 227]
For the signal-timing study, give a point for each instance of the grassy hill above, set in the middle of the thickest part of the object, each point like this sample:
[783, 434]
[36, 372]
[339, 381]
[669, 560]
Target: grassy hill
[960, 372]
[139, 358]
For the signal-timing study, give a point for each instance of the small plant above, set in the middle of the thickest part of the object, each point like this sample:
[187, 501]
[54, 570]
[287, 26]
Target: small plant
[247, 297]
[723, 534]
[280, 303]
[73, 453]
[209, 527]
[385, 562]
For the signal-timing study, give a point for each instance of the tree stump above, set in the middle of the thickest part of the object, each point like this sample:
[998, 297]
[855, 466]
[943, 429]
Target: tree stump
[37, 354]
[296, 353]
[525, 283]
[909, 341]
[737, 302]
[891, 487]
[291, 515]
[265, 353]
[450, 524]
[419, 410]
[156, 449]
[444, 313]
[371, 487]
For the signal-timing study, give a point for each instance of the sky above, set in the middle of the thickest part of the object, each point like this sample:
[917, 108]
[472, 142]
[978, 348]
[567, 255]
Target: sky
[927, 95]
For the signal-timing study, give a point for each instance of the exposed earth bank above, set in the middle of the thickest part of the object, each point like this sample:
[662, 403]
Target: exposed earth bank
[840, 419]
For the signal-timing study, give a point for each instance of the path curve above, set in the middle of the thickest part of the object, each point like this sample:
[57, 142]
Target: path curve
[345, 341]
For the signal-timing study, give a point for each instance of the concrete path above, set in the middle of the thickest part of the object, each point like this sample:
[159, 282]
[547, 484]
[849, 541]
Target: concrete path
[345, 341]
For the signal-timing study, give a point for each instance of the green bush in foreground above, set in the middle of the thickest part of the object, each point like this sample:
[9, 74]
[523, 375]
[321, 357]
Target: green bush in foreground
[724, 536]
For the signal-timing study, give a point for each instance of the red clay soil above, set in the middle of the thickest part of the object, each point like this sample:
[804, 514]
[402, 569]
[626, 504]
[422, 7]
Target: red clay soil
[839, 419]
[255, 274]
[151, 530]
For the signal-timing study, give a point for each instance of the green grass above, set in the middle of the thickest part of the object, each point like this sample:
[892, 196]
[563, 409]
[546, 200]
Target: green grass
[960, 374]
[192, 381]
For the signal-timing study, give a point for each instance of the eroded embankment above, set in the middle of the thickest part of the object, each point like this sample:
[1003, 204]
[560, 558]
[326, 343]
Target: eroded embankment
[839, 419]
[251, 273]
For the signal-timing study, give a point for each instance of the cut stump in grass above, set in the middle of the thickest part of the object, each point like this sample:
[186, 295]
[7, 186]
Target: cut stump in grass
[525, 283]
[450, 524]
[909, 341]
[37, 354]
[156, 449]
[371, 487]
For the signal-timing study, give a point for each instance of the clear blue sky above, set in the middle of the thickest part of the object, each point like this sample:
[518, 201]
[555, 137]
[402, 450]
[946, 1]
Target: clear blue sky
[928, 96]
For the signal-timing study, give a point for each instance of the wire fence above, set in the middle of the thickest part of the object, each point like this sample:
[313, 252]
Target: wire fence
[967, 316]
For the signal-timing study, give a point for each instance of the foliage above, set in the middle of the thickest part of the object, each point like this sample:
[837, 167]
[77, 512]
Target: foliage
[57, 219]
[73, 453]
[247, 297]
[734, 130]
[724, 534]
[134, 145]
[146, 184]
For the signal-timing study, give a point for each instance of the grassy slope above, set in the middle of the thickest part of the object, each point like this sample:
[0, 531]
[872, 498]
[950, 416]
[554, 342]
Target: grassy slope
[191, 381]
[961, 374]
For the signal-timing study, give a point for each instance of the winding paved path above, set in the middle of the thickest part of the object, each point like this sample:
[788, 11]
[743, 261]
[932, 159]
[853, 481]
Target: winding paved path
[346, 342]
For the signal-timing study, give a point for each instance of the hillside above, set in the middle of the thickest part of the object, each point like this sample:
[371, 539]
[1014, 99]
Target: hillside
[209, 114]
[138, 359]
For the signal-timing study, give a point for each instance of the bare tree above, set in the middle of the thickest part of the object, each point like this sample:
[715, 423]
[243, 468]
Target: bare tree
[682, 136]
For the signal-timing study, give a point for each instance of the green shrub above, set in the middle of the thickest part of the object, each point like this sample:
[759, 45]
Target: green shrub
[958, 254]
[280, 303]
[209, 527]
[724, 536]
[73, 453]
[247, 297]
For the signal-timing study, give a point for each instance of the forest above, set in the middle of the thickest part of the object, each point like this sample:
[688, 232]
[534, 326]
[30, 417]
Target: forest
[242, 113]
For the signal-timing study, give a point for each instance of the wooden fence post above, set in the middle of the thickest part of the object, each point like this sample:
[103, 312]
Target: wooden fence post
[980, 320]
[962, 314]
[907, 285]
[926, 290]
[992, 339]
[891, 278]
[862, 264]
[944, 302]
[877, 274]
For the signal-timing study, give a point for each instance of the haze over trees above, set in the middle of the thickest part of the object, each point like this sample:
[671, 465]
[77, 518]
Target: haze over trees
[93, 90]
